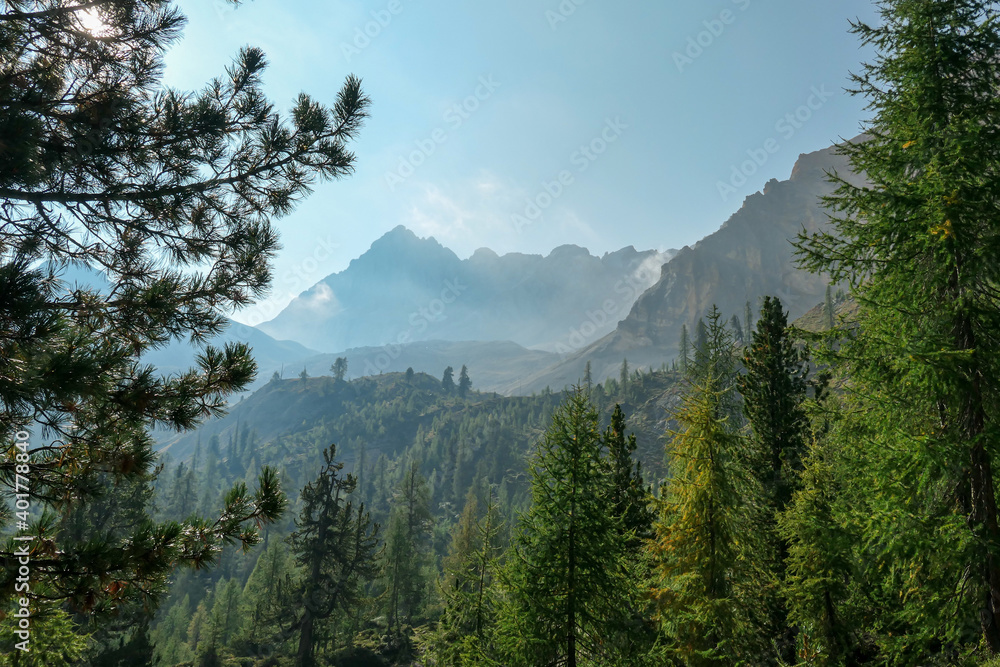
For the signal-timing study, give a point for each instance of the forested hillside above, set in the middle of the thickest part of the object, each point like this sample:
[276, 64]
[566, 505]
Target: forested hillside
[812, 493]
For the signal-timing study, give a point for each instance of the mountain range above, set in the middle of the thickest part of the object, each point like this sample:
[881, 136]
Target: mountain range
[526, 322]
[407, 289]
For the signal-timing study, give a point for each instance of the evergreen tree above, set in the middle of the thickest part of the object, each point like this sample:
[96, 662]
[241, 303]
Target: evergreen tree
[339, 369]
[588, 380]
[170, 197]
[464, 383]
[705, 545]
[748, 317]
[738, 335]
[448, 380]
[409, 374]
[921, 250]
[405, 553]
[629, 498]
[685, 348]
[700, 342]
[469, 568]
[828, 310]
[569, 595]
[623, 377]
[267, 598]
[773, 390]
[335, 543]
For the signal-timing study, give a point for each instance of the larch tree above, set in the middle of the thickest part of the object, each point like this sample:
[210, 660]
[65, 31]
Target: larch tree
[168, 197]
[705, 537]
[920, 247]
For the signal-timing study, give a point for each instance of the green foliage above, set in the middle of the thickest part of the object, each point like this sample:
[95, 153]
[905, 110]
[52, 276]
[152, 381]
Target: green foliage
[568, 594]
[921, 251]
[339, 369]
[464, 383]
[162, 201]
[53, 640]
[404, 559]
[706, 550]
[335, 544]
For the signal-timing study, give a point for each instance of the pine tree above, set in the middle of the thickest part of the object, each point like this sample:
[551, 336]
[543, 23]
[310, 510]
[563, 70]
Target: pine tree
[921, 251]
[588, 381]
[335, 543]
[623, 377]
[339, 369]
[569, 598]
[464, 383]
[170, 197]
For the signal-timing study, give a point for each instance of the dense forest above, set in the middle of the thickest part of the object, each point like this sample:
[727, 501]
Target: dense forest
[775, 495]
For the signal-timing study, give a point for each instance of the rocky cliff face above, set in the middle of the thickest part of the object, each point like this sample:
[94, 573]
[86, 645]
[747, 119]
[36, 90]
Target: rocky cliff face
[750, 256]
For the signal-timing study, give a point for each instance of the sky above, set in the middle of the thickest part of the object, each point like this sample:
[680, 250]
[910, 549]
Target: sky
[523, 125]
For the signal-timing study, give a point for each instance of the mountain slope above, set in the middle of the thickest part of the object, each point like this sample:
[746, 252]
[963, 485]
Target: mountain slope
[407, 289]
[749, 257]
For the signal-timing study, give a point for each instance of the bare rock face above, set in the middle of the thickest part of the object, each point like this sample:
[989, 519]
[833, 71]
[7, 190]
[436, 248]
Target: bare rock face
[749, 257]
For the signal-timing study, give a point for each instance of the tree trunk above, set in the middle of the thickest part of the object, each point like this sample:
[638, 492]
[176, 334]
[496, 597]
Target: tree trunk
[983, 495]
[304, 656]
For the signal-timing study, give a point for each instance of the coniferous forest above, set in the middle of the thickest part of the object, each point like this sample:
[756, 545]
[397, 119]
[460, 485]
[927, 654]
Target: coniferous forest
[810, 492]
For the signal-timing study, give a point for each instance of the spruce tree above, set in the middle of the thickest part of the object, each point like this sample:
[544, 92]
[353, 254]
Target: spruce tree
[773, 390]
[738, 335]
[630, 499]
[685, 349]
[464, 383]
[920, 248]
[167, 198]
[448, 380]
[569, 598]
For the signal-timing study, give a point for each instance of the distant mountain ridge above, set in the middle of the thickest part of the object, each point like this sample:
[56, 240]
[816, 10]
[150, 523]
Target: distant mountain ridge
[406, 289]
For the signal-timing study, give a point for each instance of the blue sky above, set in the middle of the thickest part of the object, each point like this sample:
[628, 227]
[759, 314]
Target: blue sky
[522, 125]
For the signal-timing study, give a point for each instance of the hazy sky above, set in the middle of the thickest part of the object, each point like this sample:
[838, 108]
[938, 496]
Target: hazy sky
[622, 122]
